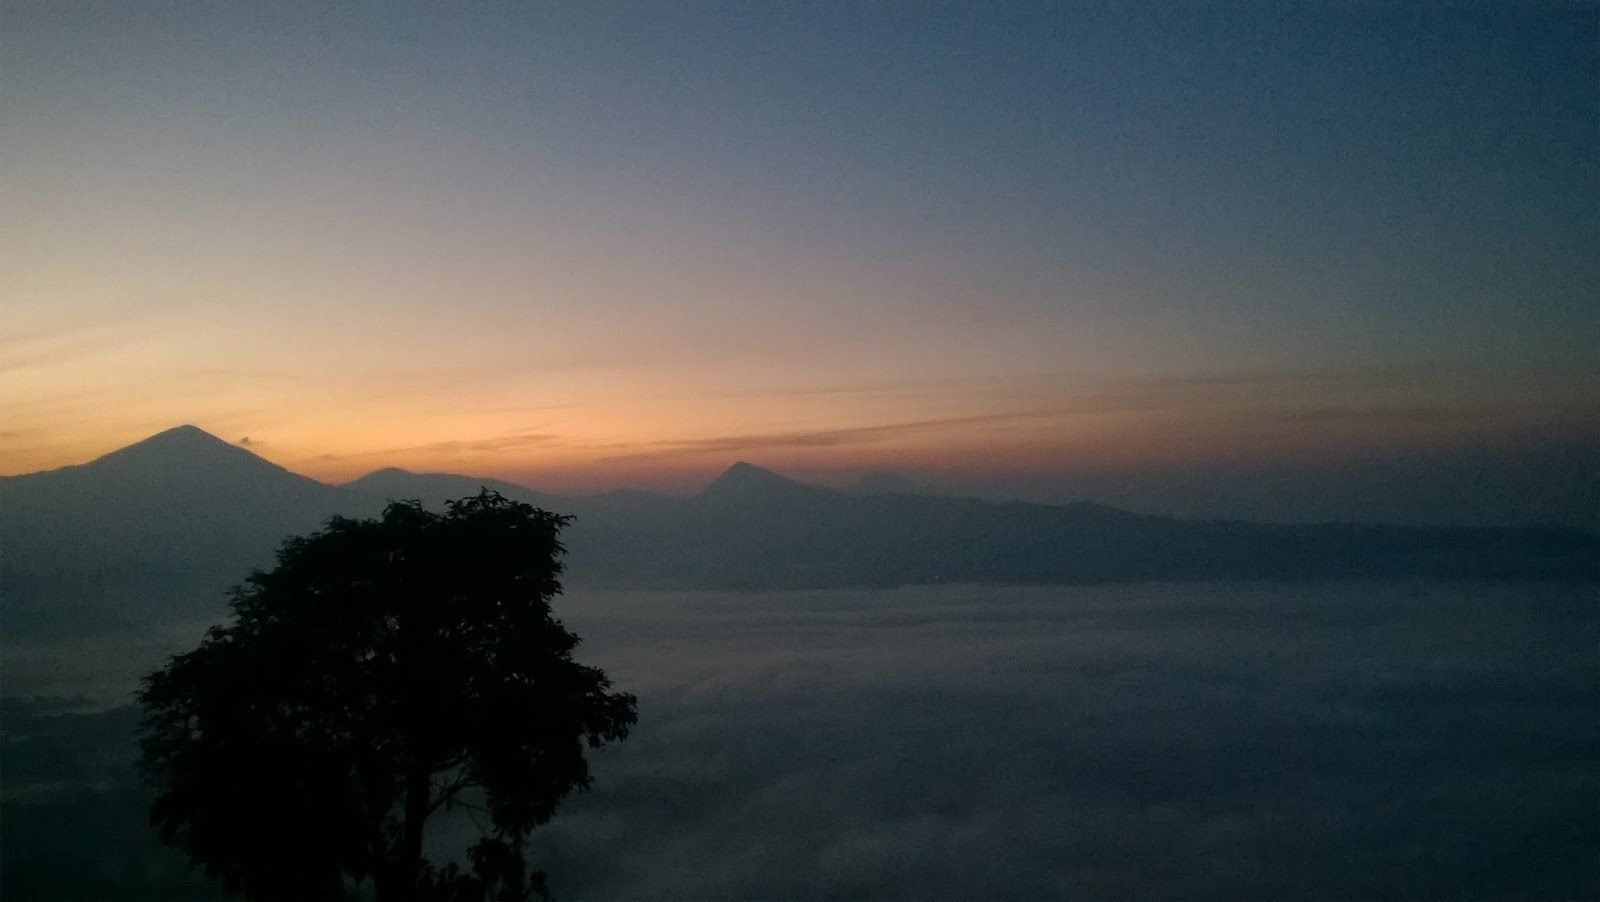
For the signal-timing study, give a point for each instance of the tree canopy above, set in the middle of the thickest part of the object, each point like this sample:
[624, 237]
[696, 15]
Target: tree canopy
[383, 671]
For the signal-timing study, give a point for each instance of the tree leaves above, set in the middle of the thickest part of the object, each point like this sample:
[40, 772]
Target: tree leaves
[296, 749]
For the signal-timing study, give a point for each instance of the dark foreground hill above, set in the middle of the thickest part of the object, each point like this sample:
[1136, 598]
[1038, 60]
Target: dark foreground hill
[185, 509]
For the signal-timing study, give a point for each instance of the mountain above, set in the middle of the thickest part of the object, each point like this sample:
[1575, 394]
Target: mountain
[754, 528]
[172, 520]
[747, 485]
[395, 484]
[162, 527]
[179, 499]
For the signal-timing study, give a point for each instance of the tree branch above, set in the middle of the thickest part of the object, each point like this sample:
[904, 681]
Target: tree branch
[448, 791]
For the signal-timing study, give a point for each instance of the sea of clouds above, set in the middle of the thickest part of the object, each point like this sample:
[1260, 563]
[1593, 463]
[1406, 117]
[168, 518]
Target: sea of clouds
[1260, 740]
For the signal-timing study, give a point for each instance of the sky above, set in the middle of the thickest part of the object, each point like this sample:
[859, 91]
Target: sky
[1145, 252]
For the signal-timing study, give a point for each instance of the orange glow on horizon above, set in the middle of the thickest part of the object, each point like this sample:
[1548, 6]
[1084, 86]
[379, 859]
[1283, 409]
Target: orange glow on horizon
[579, 450]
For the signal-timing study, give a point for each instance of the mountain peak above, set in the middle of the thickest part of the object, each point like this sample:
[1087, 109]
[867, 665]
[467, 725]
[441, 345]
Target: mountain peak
[185, 438]
[188, 432]
[181, 448]
[742, 473]
[748, 482]
[382, 474]
[742, 468]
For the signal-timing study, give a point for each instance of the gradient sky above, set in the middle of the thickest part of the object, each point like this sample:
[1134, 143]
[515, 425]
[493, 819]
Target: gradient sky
[996, 246]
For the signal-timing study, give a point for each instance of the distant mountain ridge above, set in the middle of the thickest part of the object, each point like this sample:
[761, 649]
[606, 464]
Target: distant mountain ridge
[393, 483]
[186, 507]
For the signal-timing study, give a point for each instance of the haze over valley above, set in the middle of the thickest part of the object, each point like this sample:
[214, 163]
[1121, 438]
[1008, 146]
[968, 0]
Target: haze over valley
[177, 518]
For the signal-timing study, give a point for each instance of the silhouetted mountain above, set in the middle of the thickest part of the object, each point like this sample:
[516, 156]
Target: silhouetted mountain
[755, 528]
[168, 523]
[178, 500]
[186, 451]
[395, 484]
[748, 485]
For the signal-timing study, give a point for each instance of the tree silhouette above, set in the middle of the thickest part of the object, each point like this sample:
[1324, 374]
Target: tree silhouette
[384, 671]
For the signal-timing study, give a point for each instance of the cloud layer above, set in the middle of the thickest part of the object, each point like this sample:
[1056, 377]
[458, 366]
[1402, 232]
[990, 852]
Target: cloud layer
[1344, 740]
[1336, 741]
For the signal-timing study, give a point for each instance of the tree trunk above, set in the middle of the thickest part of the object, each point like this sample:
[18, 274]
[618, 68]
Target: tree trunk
[396, 880]
[419, 786]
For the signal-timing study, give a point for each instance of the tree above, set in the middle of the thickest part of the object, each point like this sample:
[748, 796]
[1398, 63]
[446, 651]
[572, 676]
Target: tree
[383, 671]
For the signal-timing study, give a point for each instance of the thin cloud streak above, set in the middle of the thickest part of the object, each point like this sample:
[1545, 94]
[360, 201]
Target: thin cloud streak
[892, 388]
[828, 438]
[494, 444]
